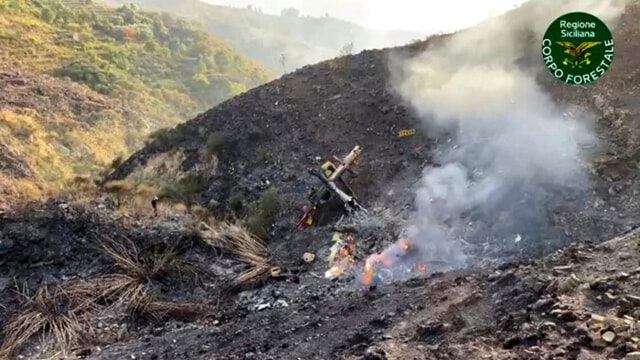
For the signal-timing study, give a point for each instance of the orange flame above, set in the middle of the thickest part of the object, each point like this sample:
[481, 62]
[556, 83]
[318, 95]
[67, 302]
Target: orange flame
[405, 245]
[399, 251]
[335, 272]
[343, 258]
[367, 279]
[383, 259]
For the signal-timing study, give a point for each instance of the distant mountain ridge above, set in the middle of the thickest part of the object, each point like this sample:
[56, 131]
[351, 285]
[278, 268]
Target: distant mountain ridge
[264, 38]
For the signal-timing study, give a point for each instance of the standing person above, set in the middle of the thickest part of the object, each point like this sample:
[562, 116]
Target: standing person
[154, 205]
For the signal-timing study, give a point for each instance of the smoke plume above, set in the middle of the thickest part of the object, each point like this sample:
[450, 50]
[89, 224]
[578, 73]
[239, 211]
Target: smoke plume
[505, 148]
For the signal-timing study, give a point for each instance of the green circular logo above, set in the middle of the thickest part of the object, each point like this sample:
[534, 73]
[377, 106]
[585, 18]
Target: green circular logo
[577, 48]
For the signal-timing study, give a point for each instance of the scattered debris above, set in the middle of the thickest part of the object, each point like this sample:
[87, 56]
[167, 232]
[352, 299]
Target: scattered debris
[406, 133]
[308, 257]
[609, 336]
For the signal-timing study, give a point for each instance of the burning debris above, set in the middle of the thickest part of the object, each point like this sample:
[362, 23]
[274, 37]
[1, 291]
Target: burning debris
[349, 258]
[342, 256]
[402, 260]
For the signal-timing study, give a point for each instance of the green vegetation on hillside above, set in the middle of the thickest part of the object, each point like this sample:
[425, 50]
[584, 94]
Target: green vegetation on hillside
[151, 71]
[266, 38]
[148, 60]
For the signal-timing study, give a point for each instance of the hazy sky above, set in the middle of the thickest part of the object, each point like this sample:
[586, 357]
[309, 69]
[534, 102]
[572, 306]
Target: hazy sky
[426, 16]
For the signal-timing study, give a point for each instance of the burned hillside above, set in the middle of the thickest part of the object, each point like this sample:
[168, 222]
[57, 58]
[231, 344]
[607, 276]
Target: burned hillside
[270, 136]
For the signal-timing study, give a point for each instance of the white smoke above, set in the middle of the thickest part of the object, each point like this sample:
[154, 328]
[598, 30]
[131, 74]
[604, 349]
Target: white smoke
[505, 146]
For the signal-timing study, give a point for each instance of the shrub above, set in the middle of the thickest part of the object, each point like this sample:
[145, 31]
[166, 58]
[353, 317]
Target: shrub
[83, 185]
[262, 214]
[254, 133]
[155, 69]
[268, 203]
[100, 79]
[146, 191]
[257, 225]
[215, 143]
[200, 212]
[186, 190]
[263, 153]
[115, 163]
[81, 180]
[236, 203]
[161, 136]
[167, 137]
[181, 209]
[119, 187]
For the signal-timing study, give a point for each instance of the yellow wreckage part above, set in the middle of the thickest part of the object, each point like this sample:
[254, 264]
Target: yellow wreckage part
[276, 271]
[338, 237]
[406, 133]
[328, 168]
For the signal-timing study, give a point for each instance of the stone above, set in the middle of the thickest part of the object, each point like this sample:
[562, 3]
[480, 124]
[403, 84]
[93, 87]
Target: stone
[609, 336]
[633, 356]
[597, 341]
[542, 304]
[308, 257]
[84, 352]
[634, 299]
[431, 329]
[375, 353]
[624, 255]
[566, 285]
[602, 284]
[563, 268]
[560, 352]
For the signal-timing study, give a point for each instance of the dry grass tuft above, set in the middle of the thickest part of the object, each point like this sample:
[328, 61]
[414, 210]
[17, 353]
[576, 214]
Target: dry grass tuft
[159, 310]
[64, 312]
[180, 209]
[56, 311]
[120, 187]
[142, 269]
[245, 246]
[146, 191]
[255, 274]
[141, 272]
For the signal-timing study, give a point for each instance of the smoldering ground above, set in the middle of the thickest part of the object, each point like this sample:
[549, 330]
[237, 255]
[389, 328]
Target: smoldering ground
[508, 153]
